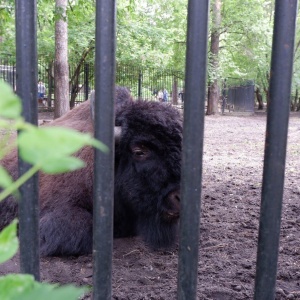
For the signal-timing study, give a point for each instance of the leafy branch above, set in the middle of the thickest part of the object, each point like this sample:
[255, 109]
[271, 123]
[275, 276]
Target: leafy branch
[47, 149]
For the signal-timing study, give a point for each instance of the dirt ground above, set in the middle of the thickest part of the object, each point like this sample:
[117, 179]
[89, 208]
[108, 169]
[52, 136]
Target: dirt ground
[232, 176]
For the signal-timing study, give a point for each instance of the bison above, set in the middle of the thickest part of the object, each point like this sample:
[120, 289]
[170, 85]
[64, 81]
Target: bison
[147, 180]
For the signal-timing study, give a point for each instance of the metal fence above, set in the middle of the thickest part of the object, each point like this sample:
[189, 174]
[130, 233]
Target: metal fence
[147, 82]
[8, 69]
[141, 81]
[195, 86]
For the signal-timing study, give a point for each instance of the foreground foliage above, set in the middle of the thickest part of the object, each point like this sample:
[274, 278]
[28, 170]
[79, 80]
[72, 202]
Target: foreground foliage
[46, 149]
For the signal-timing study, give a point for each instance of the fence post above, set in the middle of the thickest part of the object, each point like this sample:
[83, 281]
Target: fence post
[275, 148]
[140, 85]
[26, 67]
[104, 162]
[86, 81]
[14, 78]
[49, 100]
[193, 133]
[175, 90]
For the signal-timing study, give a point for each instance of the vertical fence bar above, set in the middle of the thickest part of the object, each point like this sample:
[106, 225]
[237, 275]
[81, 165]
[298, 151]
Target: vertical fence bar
[275, 148]
[49, 81]
[193, 132]
[26, 68]
[14, 78]
[86, 81]
[104, 162]
[140, 84]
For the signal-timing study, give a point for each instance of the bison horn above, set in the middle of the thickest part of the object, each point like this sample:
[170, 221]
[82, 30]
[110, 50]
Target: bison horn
[92, 104]
[117, 131]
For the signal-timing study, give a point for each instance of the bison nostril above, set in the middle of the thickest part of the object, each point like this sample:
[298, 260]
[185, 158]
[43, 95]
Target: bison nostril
[175, 197]
[172, 206]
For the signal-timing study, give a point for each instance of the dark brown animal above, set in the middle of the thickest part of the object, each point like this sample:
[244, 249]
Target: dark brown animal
[147, 177]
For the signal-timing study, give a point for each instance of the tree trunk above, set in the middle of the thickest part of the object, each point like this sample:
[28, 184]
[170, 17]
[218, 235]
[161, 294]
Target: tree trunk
[267, 88]
[213, 98]
[259, 99]
[294, 102]
[50, 83]
[214, 92]
[61, 68]
[74, 82]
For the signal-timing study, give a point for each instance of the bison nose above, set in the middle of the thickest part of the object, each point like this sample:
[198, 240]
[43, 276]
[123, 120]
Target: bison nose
[172, 209]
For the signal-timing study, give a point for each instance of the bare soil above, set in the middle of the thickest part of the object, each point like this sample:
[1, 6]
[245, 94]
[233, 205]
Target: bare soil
[230, 204]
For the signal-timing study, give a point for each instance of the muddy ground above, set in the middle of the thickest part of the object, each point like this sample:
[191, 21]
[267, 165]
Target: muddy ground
[232, 175]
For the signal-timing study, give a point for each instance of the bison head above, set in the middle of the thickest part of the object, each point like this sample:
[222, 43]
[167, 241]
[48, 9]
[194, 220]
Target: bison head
[147, 172]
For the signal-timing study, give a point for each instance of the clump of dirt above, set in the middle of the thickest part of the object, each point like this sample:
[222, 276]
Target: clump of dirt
[230, 204]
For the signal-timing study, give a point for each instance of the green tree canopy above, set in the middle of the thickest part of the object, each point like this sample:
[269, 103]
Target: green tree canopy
[153, 33]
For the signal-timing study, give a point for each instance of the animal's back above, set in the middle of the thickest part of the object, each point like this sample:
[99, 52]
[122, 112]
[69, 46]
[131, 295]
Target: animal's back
[78, 119]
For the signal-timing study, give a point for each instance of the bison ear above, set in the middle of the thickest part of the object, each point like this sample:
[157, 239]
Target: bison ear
[117, 130]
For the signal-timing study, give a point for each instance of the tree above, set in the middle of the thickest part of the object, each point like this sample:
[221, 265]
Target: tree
[153, 34]
[213, 89]
[259, 99]
[61, 66]
[6, 13]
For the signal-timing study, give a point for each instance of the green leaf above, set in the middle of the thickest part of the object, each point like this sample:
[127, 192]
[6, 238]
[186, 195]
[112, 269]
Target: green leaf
[13, 285]
[10, 105]
[51, 147]
[8, 242]
[23, 287]
[5, 179]
[62, 164]
[51, 292]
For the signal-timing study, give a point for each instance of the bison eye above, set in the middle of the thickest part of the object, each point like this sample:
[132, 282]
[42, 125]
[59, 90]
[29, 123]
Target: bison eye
[140, 152]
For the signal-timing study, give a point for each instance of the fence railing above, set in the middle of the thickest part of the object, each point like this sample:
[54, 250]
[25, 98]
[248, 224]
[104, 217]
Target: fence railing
[275, 150]
[8, 69]
[143, 82]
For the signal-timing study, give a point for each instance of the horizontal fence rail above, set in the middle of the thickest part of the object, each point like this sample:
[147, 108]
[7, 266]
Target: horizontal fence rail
[23, 76]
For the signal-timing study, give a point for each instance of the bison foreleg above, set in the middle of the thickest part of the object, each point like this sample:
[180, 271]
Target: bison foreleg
[66, 232]
[8, 211]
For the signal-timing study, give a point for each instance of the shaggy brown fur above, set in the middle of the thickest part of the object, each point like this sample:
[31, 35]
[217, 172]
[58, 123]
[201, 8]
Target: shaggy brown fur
[147, 176]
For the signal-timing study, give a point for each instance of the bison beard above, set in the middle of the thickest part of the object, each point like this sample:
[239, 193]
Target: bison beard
[147, 178]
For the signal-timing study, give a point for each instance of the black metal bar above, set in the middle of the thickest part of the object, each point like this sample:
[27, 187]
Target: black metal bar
[104, 162]
[140, 85]
[86, 81]
[193, 133]
[14, 77]
[275, 148]
[49, 79]
[26, 68]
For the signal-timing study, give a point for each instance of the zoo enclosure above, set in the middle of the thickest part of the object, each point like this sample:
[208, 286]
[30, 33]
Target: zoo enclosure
[195, 78]
[143, 82]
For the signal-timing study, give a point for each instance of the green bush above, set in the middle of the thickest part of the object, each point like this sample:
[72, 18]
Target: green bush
[47, 149]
